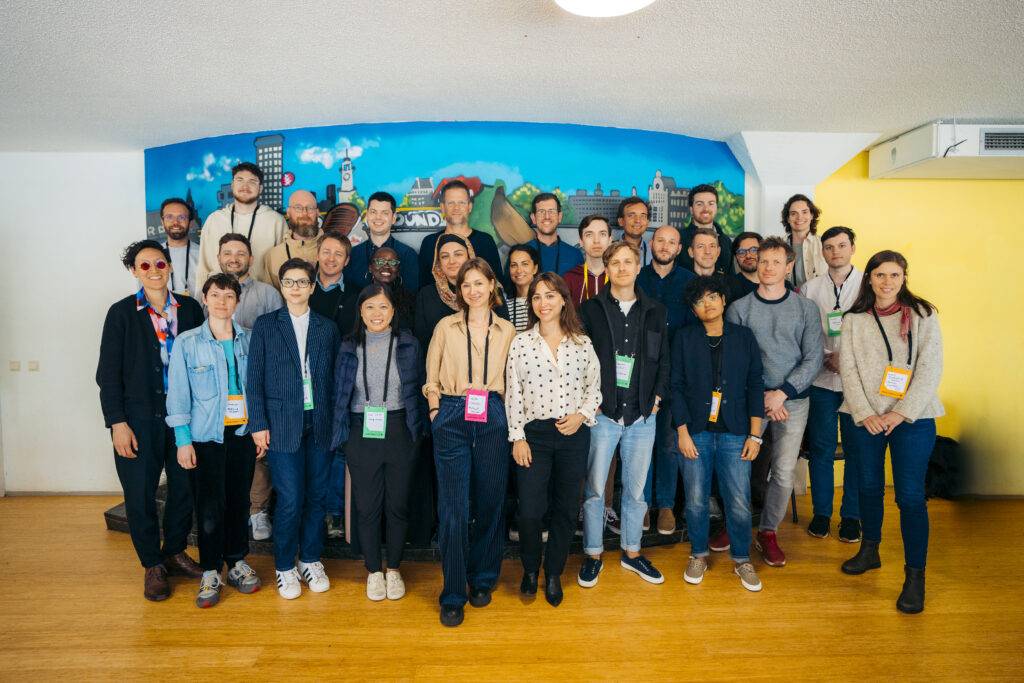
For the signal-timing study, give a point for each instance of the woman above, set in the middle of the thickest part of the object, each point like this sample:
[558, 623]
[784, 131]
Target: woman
[464, 388]
[206, 408]
[435, 302]
[553, 390]
[385, 269]
[717, 408]
[891, 364]
[800, 219]
[378, 418]
[523, 264]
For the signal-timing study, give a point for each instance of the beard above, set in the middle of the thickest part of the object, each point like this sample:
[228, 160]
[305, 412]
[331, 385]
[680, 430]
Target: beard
[177, 233]
[661, 262]
[747, 269]
[304, 231]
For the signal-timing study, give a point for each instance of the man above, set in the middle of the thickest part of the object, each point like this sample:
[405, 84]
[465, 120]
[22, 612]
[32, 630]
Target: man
[380, 217]
[633, 217]
[705, 252]
[176, 217]
[744, 253]
[588, 279]
[303, 235]
[135, 350]
[290, 398]
[629, 334]
[664, 282]
[555, 255]
[834, 293]
[262, 226]
[703, 200]
[257, 298]
[788, 331]
[457, 204]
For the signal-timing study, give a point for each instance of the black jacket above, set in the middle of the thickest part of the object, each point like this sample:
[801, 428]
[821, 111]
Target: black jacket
[741, 377]
[130, 374]
[652, 362]
[724, 262]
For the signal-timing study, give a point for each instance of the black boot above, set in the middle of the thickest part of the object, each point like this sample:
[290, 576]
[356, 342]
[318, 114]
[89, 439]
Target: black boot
[865, 559]
[911, 600]
[553, 590]
[528, 586]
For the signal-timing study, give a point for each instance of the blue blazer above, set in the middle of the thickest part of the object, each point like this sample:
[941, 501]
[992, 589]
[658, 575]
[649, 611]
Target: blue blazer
[274, 379]
[742, 380]
[410, 370]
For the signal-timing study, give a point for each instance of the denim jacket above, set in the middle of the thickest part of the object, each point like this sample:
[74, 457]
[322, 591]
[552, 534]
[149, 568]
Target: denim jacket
[197, 392]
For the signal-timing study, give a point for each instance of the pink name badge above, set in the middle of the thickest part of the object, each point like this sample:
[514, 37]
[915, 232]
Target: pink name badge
[476, 405]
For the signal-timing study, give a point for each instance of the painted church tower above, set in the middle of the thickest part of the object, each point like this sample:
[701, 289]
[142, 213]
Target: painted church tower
[347, 189]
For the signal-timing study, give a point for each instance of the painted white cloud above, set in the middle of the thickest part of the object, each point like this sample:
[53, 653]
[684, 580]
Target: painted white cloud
[212, 168]
[329, 156]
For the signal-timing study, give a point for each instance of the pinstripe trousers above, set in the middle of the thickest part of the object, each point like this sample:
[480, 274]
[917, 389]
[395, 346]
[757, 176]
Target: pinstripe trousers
[472, 476]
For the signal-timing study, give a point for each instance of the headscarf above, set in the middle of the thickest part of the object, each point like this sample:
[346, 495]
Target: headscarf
[444, 288]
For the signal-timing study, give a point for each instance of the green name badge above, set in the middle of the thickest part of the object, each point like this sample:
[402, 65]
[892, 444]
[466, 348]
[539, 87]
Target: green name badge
[307, 393]
[835, 323]
[623, 371]
[375, 422]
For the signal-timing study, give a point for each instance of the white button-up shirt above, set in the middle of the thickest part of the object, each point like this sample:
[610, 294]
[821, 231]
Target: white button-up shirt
[823, 292]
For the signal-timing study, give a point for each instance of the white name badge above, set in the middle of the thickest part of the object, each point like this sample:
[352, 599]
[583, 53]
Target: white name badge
[835, 323]
[895, 382]
[476, 405]
[307, 393]
[234, 414]
[716, 404]
[375, 422]
[623, 371]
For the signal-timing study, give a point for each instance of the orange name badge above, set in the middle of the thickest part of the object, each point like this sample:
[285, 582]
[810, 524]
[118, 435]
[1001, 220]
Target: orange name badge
[716, 404]
[895, 382]
[235, 412]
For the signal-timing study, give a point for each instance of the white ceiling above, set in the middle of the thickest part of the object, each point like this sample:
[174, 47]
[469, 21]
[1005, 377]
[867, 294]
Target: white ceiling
[90, 75]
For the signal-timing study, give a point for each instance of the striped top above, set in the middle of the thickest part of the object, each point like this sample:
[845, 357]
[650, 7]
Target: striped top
[518, 312]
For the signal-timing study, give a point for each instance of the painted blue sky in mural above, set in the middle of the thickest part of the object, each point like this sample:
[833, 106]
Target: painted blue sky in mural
[390, 156]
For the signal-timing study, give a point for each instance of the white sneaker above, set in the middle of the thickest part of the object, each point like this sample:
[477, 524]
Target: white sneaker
[261, 527]
[513, 535]
[288, 585]
[396, 586]
[376, 588]
[315, 576]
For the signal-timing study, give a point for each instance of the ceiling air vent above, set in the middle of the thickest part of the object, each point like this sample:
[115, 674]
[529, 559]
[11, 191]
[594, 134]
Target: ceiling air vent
[1002, 141]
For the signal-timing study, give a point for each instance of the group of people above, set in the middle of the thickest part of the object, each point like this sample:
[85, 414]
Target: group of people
[276, 355]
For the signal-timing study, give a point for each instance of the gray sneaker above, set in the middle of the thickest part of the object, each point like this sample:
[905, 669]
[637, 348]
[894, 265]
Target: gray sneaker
[244, 578]
[748, 577]
[695, 570]
[209, 589]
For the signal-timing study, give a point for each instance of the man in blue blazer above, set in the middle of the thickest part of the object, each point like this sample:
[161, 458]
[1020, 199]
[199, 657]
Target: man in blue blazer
[290, 390]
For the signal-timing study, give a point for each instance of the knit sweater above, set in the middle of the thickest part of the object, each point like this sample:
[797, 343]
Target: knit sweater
[268, 230]
[789, 333]
[376, 356]
[863, 359]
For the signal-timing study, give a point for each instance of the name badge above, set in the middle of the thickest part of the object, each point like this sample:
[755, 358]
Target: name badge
[476, 405]
[716, 404]
[895, 382]
[375, 422]
[623, 371]
[307, 393]
[835, 323]
[234, 414]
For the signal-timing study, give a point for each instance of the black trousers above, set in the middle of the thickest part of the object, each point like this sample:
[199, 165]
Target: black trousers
[140, 477]
[557, 470]
[382, 472]
[223, 479]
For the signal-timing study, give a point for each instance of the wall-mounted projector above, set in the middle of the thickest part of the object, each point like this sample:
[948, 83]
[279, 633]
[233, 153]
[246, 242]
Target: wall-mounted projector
[951, 150]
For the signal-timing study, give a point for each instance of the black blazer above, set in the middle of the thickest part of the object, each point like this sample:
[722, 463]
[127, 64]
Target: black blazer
[274, 379]
[652, 362]
[742, 379]
[130, 374]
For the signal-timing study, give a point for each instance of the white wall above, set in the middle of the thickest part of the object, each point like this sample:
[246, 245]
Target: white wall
[65, 220]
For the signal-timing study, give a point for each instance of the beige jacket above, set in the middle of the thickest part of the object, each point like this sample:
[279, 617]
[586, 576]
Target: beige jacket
[292, 247]
[814, 261]
[268, 230]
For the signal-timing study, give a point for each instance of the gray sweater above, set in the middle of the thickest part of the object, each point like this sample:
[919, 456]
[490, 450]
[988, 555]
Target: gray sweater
[376, 356]
[788, 330]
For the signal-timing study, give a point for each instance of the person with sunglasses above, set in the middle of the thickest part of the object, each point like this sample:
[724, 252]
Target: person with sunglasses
[290, 393]
[379, 218]
[135, 350]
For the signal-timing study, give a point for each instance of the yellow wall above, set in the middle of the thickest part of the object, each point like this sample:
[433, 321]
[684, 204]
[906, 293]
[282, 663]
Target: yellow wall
[964, 241]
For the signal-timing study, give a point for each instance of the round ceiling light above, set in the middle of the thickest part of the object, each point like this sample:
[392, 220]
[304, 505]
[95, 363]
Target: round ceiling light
[602, 8]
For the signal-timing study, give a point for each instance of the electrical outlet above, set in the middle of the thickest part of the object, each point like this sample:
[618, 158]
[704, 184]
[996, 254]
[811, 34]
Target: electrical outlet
[15, 365]
[33, 366]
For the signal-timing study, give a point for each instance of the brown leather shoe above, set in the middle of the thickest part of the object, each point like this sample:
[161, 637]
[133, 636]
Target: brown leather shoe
[156, 585]
[183, 565]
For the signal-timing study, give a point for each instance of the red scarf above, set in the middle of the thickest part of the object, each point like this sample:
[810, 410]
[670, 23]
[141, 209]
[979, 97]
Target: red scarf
[904, 312]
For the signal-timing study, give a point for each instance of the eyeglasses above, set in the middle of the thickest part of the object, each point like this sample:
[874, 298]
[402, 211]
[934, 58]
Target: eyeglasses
[302, 209]
[381, 262]
[709, 298]
[144, 266]
[749, 250]
[301, 283]
[546, 212]
[180, 218]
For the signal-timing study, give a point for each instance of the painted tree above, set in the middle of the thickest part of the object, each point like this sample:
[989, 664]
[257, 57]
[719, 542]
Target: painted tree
[522, 200]
[730, 210]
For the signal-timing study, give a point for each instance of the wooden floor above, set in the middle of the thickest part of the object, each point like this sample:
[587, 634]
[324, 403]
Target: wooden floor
[71, 607]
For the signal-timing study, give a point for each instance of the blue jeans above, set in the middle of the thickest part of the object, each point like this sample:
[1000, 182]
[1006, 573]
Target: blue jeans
[718, 453]
[300, 479]
[335, 499]
[822, 441]
[910, 446]
[635, 443]
[664, 472]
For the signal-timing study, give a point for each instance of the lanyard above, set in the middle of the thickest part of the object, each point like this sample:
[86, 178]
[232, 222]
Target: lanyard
[839, 290]
[188, 251]
[288, 250]
[885, 338]
[487, 347]
[716, 362]
[252, 221]
[586, 283]
[387, 371]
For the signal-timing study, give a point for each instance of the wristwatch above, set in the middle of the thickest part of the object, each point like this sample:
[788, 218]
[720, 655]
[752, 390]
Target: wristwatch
[756, 439]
